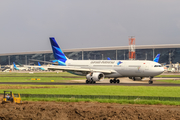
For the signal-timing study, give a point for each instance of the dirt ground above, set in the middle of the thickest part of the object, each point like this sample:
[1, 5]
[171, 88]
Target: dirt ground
[87, 111]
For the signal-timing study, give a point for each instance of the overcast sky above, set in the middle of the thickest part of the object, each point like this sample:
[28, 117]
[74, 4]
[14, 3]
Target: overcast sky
[26, 25]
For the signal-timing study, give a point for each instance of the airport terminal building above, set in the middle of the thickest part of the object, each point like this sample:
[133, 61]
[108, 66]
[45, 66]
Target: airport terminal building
[168, 53]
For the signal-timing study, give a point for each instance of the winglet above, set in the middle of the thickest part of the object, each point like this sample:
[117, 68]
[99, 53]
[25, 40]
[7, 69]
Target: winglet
[58, 54]
[108, 58]
[156, 59]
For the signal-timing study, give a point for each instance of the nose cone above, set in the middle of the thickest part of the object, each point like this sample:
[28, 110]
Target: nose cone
[161, 70]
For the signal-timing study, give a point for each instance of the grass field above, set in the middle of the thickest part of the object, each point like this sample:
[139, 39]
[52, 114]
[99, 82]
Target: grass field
[170, 81]
[44, 77]
[31, 79]
[94, 90]
[170, 76]
[85, 89]
[120, 101]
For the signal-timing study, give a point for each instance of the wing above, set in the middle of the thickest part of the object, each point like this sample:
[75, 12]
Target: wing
[79, 69]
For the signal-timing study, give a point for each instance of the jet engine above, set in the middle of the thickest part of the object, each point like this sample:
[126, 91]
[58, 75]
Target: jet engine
[136, 78]
[95, 76]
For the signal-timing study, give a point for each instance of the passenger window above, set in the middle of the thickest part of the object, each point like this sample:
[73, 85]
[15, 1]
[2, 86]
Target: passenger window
[157, 66]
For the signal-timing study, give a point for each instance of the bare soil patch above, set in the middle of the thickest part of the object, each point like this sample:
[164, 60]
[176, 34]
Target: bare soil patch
[86, 111]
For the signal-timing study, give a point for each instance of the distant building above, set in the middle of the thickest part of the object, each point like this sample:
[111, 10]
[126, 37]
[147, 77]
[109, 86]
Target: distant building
[143, 52]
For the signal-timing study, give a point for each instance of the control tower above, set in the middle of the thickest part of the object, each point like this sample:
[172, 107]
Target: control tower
[132, 54]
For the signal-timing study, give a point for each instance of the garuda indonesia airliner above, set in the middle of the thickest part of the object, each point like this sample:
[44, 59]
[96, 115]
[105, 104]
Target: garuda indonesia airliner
[97, 70]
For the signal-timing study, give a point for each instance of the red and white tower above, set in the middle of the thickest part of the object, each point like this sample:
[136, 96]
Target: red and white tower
[132, 54]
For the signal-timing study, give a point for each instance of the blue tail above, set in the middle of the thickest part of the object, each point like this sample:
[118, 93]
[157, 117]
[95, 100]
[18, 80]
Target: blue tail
[58, 54]
[14, 65]
[156, 59]
[108, 58]
[39, 64]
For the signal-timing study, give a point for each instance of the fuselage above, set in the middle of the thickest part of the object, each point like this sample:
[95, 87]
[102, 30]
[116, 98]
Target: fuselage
[120, 68]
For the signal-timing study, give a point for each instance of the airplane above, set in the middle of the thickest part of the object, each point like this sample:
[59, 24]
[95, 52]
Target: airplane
[97, 70]
[19, 68]
[41, 68]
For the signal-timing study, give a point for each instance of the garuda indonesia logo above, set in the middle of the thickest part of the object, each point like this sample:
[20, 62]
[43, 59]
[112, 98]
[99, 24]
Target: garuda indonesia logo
[119, 63]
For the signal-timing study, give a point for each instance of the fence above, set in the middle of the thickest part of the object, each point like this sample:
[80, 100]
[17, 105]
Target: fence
[101, 97]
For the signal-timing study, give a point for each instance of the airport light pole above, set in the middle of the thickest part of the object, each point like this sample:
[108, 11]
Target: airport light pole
[116, 54]
[9, 59]
[170, 61]
[82, 55]
[102, 56]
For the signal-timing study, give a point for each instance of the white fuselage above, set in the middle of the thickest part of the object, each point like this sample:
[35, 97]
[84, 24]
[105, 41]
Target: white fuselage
[120, 68]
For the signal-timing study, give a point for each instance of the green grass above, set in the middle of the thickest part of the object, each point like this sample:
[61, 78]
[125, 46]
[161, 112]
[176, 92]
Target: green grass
[170, 81]
[45, 77]
[42, 79]
[37, 74]
[170, 76]
[120, 101]
[103, 90]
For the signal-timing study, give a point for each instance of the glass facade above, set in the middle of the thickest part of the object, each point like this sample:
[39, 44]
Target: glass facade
[167, 54]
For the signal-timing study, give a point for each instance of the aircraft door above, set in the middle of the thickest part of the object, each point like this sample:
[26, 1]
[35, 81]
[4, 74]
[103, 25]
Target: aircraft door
[146, 66]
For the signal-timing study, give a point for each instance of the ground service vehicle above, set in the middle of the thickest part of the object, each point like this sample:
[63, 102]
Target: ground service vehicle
[9, 97]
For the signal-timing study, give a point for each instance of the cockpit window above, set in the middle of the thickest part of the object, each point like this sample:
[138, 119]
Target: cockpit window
[157, 65]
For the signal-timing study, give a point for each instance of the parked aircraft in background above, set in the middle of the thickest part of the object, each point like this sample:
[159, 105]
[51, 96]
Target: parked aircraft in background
[41, 68]
[19, 68]
[156, 59]
[96, 70]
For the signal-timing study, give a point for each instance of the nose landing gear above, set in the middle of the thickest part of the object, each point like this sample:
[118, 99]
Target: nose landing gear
[151, 81]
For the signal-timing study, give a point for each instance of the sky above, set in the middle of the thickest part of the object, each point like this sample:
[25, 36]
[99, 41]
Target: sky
[26, 25]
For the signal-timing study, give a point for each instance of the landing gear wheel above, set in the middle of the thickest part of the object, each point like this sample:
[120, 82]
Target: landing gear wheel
[94, 82]
[87, 81]
[114, 80]
[150, 82]
[111, 80]
[117, 81]
[133, 78]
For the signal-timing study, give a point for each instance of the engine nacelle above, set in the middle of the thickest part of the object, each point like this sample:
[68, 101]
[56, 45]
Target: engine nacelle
[95, 76]
[136, 78]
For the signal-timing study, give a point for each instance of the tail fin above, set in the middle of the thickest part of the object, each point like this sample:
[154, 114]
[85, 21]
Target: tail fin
[156, 59]
[108, 58]
[14, 65]
[39, 64]
[58, 54]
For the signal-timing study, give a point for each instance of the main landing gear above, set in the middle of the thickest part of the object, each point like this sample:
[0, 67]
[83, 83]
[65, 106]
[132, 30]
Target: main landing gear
[151, 81]
[114, 80]
[90, 82]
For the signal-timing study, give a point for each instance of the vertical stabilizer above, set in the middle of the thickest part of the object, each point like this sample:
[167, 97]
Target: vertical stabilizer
[108, 58]
[39, 64]
[156, 59]
[58, 54]
[14, 65]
